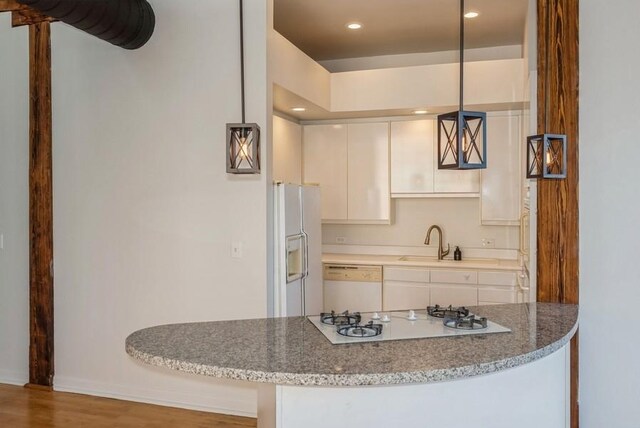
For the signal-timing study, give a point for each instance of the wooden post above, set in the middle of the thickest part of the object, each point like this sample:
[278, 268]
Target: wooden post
[558, 246]
[41, 368]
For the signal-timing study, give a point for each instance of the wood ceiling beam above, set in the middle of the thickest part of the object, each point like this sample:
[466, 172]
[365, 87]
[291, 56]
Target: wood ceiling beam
[23, 15]
[28, 16]
[9, 5]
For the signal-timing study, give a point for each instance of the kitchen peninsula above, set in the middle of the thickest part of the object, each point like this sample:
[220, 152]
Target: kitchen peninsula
[510, 379]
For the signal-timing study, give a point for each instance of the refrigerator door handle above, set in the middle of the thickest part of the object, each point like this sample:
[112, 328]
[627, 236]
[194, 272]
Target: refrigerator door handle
[305, 254]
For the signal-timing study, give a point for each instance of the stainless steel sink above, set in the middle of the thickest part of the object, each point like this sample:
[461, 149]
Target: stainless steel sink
[430, 259]
[422, 259]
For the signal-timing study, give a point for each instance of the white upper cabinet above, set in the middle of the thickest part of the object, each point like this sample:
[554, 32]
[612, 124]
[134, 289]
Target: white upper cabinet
[500, 199]
[287, 151]
[414, 164]
[325, 163]
[351, 165]
[412, 157]
[368, 172]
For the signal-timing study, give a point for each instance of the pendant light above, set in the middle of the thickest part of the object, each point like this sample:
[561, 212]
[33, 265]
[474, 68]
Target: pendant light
[243, 139]
[547, 153]
[462, 135]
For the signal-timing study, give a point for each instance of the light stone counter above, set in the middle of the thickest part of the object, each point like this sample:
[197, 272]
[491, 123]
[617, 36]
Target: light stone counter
[291, 351]
[421, 261]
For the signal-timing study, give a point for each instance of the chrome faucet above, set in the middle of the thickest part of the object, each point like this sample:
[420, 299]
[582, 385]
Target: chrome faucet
[441, 252]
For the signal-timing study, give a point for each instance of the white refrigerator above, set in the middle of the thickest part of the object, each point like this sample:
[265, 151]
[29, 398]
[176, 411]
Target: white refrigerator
[298, 252]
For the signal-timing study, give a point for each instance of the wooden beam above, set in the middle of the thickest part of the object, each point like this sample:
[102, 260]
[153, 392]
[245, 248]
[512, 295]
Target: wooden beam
[10, 5]
[28, 16]
[558, 245]
[41, 367]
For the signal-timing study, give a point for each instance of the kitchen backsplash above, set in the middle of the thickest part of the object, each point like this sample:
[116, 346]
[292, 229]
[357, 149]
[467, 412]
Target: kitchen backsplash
[458, 217]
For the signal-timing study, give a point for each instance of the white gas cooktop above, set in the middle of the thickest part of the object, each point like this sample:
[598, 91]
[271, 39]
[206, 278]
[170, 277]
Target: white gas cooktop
[399, 326]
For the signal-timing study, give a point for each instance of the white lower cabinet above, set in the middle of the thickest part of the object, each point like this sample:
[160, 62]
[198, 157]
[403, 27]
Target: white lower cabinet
[397, 295]
[414, 287]
[451, 294]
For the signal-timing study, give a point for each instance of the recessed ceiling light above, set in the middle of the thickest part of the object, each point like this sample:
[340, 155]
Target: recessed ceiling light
[354, 26]
[299, 109]
[420, 111]
[471, 15]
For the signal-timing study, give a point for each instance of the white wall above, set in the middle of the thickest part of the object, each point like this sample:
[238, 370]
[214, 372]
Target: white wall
[486, 82]
[427, 58]
[609, 213]
[144, 211]
[14, 202]
[459, 218]
[287, 151]
[296, 71]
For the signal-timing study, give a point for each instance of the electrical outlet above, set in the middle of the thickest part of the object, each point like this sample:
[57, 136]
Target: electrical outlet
[488, 243]
[341, 240]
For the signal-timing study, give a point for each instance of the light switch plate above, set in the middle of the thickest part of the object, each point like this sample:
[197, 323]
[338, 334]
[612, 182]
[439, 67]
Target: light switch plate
[236, 250]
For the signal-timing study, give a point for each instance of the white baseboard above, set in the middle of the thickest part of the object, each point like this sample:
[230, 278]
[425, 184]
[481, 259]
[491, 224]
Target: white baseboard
[220, 404]
[13, 378]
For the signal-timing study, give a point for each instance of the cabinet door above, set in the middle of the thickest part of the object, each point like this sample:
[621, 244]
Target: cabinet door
[368, 172]
[412, 157]
[500, 199]
[453, 181]
[325, 163]
[397, 296]
[456, 295]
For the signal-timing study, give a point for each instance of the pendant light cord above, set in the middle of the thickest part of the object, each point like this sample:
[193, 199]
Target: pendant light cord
[461, 55]
[242, 59]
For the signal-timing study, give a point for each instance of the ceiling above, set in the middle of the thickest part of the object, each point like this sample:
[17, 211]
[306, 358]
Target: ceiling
[318, 27]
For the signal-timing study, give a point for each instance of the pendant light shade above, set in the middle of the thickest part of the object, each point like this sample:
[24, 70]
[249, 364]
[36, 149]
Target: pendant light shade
[462, 135]
[243, 139]
[547, 156]
[243, 154]
[462, 140]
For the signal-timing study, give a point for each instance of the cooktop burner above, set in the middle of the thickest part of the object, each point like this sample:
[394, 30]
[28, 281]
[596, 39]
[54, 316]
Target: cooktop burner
[356, 330]
[340, 319]
[469, 322]
[447, 312]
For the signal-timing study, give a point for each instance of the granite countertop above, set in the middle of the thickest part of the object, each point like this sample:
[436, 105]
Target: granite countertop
[420, 261]
[292, 351]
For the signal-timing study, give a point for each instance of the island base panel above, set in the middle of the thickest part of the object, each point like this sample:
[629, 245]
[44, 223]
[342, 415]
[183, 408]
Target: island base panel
[533, 395]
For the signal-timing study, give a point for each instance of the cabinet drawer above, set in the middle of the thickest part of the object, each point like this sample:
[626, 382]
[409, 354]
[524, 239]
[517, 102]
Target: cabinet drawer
[445, 295]
[398, 296]
[406, 274]
[498, 278]
[455, 276]
[497, 295]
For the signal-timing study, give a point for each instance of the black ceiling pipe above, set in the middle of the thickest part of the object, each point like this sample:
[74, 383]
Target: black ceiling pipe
[125, 23]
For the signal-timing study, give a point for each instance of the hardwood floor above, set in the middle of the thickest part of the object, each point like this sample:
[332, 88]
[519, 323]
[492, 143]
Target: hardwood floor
[22, 407]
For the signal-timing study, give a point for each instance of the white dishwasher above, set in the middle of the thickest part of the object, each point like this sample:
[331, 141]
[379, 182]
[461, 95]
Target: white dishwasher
[354, 288]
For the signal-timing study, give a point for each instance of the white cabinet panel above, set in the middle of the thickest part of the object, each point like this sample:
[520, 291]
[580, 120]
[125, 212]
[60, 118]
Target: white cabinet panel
[497, 295]
[287, 151]
[445, 295]
[454, 181]
[398, 296]
[412, 156]
[455, 276]
[368, 172]
[498, 278]
[500, 198]
[406, 274]
[325, 163]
